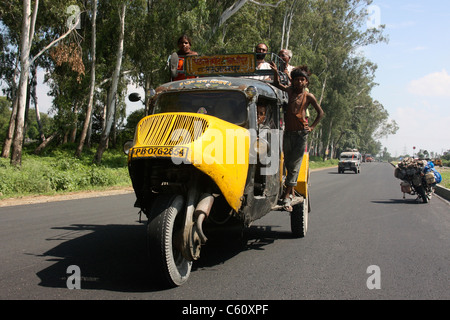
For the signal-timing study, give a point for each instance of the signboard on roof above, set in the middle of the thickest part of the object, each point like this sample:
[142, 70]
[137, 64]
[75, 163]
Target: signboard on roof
[226, 64]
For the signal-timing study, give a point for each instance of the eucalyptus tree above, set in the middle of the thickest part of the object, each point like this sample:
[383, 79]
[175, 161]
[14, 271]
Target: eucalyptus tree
[10, 63]
[10, 13]
[152, 31]
[90, 104]
[31, 34]
[327, 37]
[112, 93]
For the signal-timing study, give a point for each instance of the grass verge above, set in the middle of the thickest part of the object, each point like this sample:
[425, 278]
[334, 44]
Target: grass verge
[60, 172]
[318, 163]
[445, 173]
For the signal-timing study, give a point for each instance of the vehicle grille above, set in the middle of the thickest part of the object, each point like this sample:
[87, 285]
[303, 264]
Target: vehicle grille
[171, 129]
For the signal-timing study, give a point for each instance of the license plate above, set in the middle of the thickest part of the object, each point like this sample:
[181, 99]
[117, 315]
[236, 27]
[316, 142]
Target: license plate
[160, 152]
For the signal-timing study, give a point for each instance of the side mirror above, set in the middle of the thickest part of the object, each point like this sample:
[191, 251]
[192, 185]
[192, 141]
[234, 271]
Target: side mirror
[134, 97]
[127, 146]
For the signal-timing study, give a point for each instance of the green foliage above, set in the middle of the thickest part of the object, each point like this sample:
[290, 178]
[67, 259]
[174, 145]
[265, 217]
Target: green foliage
[130, 126]
[323, 34]
[59, 171]
[446, 163]
[5, 114]
[316, 162]
[445, 173]
[32, 126]
[32, 132]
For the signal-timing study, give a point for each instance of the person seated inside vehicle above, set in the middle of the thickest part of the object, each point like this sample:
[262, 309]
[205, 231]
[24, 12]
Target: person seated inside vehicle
[261, 114]
[264, 114]
[265, 122]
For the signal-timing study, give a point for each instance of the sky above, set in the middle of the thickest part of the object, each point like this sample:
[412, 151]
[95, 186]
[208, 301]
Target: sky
[413, 74]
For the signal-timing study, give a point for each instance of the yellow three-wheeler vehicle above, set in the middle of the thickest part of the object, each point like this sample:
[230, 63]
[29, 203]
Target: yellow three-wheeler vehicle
[203, 158]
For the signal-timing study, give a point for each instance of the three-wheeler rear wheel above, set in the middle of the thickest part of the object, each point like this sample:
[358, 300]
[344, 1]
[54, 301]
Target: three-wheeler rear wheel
[299, 219]
[164, 231]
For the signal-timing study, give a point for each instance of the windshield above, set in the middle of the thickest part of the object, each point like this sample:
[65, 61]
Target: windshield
[230, 106]
[349, 157]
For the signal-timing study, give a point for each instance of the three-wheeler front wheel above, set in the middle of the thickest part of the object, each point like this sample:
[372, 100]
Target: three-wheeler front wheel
[164, 233]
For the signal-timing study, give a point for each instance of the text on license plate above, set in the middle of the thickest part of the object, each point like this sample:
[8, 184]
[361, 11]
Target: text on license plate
[173, 152]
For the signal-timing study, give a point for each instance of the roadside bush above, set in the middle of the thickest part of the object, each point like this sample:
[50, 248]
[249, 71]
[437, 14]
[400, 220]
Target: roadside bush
[59, 171]
[317, 162]
[99, 177]
[30, 179]
[446, 163]
[61, 182]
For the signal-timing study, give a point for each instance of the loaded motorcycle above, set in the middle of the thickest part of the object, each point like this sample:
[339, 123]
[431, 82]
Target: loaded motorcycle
[418, 178]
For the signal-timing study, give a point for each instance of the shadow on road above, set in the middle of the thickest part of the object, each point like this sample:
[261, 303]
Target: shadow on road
[114, 257]
[110, 257]
[397, 201]
[227, 244]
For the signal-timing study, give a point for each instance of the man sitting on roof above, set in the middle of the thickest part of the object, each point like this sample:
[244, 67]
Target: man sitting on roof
[184, 49]
[261, 64]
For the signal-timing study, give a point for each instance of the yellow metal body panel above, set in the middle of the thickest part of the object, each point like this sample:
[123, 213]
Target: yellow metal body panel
[303, 177]
[216, 147]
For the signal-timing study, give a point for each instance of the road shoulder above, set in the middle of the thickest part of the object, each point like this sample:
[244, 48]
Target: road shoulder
[62, 197]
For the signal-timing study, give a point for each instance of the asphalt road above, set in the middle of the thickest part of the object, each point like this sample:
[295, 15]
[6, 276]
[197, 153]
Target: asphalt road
[361, 234]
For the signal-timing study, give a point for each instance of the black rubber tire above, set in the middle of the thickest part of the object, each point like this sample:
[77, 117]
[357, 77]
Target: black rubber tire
[169, 267]
[421, 192]
[299, 219]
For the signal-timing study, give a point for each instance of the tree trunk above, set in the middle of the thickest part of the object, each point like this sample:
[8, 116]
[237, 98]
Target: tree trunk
[65, 137]
[235, 7]
[231, 11]
[147, 98]
[16, 156]
[10, 134]
[283, 29]
[27, 34]
[89, 133]
[291, 16]
[323, 89]
[287, 24]
[328, 140]
[12, 121]
[105, 109]
[113, 91]
[27, 109]
[36, 105]
[88, 118]
[45, 143]
[73, 133]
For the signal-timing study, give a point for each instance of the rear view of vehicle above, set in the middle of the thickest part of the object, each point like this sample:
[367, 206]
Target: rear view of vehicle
[418, 178]
[437, 162]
